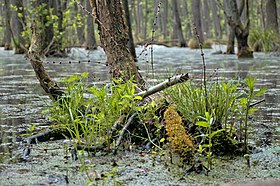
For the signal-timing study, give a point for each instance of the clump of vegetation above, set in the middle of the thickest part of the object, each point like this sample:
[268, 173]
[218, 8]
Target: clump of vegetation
[223, 111]
[181, 142]
[90, 119]
[193, 44]
[263, 41]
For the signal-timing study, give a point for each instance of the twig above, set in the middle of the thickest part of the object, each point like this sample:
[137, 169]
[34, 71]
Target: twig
[258, 102]
[124, 129]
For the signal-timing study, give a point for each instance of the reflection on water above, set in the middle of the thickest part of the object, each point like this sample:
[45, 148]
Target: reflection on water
[22, 99]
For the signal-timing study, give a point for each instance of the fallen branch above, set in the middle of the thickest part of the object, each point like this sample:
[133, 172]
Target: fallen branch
[161, 86]
[124, 129]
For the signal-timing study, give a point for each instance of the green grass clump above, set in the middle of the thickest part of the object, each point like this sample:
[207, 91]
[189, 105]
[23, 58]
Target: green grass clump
[263, 41]
[228, 104]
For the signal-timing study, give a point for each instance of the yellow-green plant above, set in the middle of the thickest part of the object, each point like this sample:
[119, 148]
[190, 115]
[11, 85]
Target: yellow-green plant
[207, 122]
[262, 41]
[246, 109]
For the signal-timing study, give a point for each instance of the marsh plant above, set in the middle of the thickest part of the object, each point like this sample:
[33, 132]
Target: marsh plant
[89, 112]
[263, 41]
[229, 105]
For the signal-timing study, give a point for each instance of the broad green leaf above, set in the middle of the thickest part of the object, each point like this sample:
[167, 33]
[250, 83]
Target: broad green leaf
[203, 124]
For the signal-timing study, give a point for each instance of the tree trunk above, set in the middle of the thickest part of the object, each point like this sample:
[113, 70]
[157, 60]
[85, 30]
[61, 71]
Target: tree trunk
[187, 16]
[271, 15]
[241, 31]
[146, 19]
[262, 15]
[217, 20]
[7, 34]
[230, 43]
[197, 18]
[50, 87]
[114, 38]
[18, 22]
[128, 23]
[206, 19]
[90, 39]
[165, 20]
[177, 24]
[80, 23]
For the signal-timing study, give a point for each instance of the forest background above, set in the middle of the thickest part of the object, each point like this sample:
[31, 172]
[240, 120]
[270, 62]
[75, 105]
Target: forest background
[68, 25]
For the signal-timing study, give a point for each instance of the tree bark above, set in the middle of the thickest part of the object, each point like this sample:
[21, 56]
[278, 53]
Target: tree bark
[128, 23]
[18, 22]
[177, 24]
[241, 31]
[216, 20]
[114, 38]
[271, 15]
[195, 5]
[206, 19]
[90, 39]
[50, 87]
[7, 40]
[80, 23]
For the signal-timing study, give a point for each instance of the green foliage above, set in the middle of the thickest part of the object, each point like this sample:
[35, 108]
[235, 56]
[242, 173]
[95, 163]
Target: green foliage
[190, 100]
[207, 123]
[90, 112]
[228, 103]
[244, 108]
[262, 41]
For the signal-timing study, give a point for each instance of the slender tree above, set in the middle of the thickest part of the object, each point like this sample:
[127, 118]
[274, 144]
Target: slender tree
[271, 15]
[80, 22]
[195, 5]
[128, 23]
[18, 23]
[90, 37]
[177, 24]
[7, 34]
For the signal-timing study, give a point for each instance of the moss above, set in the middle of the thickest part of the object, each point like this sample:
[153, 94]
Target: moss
[181, 142]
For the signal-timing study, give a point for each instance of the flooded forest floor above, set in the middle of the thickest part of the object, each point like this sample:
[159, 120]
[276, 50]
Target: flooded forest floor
[22, 101]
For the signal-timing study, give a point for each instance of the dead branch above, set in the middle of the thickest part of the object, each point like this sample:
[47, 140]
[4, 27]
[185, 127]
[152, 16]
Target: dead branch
[124, 129]
[161, 86]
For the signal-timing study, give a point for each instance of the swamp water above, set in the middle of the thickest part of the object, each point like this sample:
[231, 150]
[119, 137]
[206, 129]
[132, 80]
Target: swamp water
[22, 100]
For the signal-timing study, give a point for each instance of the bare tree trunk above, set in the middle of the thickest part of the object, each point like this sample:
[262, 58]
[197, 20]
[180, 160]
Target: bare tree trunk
[196, 4]
[262, 15]
[114, 38]
[7, 40]
[271, 15]
[216, 20]
[206, 19]
[80, 23]
[230, 43]
[187, 16]
[128, 23]
[177, 24]
[165, 19]
[146, 19]
[18, 22]
[241, 31]
[50, 87]
[90, 38]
